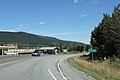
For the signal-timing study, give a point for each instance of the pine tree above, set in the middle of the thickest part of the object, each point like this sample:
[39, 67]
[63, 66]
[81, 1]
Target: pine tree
[61, 49]
[100, 38]
[116, 28]
[87, 47]
[106, 37]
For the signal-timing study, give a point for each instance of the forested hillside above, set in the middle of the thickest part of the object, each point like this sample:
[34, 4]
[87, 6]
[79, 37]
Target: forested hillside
[31, 40]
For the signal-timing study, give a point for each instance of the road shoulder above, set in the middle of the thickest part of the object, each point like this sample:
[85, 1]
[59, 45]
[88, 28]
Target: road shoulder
[71, 73]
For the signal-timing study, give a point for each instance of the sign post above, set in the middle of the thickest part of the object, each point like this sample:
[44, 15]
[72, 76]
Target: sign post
[92, 51]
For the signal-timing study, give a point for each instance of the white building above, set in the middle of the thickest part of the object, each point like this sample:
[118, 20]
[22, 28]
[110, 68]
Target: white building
[5, 48]
[50, 50]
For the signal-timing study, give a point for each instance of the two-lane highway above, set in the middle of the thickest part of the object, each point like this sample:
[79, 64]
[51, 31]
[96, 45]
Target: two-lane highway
[50, 67]
[8, 58]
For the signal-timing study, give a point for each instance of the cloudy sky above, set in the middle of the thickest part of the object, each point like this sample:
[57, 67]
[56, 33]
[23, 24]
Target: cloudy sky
[64, 19]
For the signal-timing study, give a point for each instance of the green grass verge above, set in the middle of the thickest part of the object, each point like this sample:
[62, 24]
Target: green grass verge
[94, 73]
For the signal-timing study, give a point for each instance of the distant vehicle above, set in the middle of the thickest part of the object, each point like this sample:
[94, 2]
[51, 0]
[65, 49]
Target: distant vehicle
[36, 53]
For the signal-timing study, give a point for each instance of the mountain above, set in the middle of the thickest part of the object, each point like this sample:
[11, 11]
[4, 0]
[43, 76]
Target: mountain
[27, 39]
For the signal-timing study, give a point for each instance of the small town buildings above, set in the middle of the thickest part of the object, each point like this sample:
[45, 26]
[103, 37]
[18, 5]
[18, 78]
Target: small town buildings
[4, 48]
[50, 50]
[65, 50]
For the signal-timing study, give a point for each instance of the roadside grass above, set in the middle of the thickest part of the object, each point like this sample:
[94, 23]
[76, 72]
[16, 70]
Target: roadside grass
[71, 52]
[98, 70]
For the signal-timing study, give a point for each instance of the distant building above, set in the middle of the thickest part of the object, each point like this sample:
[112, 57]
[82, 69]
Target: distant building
[6, 47]
[65, 50]
[10, 45]
[50, 50]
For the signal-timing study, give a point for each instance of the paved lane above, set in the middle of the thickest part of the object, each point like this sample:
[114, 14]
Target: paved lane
[8, 58]
[42, 68]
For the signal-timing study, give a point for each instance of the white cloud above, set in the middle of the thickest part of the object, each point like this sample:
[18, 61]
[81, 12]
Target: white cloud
[39, 32]
[83, 15]
[20, 25]
[19, 28]
[63, 33]
[41, 22]
[77, 1]
[5, 30]
[95, 2]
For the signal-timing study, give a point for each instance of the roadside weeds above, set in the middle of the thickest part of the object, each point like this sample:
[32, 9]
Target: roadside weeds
[98, 71]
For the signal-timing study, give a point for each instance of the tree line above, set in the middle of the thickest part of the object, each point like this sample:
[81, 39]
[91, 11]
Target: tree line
[106, 36]
[78, 48]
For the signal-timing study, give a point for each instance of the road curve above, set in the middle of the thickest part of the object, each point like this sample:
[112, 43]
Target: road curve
[50, 67]
[8, 58]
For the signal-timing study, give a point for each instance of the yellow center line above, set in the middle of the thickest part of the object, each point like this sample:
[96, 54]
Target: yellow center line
[10, 62]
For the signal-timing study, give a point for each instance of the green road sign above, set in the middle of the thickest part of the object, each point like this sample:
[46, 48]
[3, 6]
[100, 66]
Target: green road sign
[92, 50]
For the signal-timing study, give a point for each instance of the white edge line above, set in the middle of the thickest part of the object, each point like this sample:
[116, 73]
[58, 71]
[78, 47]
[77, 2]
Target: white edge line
[52, 74]
[58, 65]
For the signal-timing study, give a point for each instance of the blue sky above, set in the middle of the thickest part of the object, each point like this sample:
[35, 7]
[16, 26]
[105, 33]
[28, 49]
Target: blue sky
[64, 19]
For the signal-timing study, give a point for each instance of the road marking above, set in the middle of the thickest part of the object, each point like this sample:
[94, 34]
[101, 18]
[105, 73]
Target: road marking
[52, 74]
[10, 62]
[58, 65]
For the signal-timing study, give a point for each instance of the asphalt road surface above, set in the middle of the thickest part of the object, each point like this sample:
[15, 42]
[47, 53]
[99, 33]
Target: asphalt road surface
[48, 67]
[4, 59]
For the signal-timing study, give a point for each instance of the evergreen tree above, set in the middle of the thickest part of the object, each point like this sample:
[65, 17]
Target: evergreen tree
[81, 48]
[100, 37]
[106, 37]
[87, 47]
[61, 49]
[116, 28]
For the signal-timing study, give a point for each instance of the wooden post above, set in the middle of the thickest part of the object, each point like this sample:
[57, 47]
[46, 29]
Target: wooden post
[2, 51]
[92, 56]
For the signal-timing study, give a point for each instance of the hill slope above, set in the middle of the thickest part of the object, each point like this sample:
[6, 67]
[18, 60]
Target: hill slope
[26, 39]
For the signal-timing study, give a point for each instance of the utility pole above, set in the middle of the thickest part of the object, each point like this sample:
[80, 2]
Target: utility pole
[92, 56]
